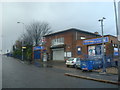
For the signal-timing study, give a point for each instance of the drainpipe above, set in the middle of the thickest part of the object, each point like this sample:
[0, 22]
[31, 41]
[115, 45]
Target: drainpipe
[76, 35]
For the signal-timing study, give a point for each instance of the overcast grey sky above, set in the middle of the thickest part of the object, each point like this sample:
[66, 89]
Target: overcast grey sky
[60, 16]
[0, 27]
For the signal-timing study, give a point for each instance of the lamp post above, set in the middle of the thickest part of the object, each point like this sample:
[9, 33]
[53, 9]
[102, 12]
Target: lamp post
[22, 40]
[1, 52]
[118, 36]
[103, 54]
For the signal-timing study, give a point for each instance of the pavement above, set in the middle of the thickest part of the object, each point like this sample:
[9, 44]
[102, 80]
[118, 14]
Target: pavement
[109, 70]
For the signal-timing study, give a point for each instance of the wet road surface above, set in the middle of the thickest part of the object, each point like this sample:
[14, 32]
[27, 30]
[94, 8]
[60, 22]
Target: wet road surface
[19, 75]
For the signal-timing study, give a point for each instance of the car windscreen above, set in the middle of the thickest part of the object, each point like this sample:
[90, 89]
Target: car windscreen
[70, 59]
[78, 59]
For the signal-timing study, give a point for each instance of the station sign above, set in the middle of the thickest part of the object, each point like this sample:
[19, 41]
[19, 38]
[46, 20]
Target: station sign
[38, 48]
[23, 47]
[95, 41]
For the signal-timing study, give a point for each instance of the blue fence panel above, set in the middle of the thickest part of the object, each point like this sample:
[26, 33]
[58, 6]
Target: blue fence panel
[87, 65]
[36, 54]
[98, 61]
[109, 60]
[97, 64]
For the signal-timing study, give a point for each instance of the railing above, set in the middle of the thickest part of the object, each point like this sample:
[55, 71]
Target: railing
[110, 60]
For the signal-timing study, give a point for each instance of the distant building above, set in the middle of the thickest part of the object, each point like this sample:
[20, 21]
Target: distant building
[78, 43]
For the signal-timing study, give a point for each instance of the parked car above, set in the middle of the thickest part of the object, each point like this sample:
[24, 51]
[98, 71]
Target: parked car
[78, 63]
[71, 62]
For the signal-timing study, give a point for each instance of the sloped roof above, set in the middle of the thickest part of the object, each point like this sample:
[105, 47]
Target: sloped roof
[72, 29]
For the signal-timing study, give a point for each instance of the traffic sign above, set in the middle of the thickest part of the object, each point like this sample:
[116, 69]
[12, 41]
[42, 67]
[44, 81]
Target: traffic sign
[24, 47]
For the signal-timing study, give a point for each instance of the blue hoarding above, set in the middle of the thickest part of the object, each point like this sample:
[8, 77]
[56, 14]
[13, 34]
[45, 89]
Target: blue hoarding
[95, 41]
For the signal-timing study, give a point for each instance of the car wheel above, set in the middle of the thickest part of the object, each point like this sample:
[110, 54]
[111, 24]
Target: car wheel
[67, 65]
[74, 66]
[83, 70]
[90, 70]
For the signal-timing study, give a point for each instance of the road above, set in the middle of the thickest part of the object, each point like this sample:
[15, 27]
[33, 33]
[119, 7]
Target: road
[19, 75]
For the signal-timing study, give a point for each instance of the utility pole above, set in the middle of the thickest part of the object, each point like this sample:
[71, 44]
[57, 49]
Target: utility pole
[118, 37]
[103, 54]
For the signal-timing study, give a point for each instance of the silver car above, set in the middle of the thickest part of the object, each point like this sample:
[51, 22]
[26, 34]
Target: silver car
[78, 63]
[72, 62]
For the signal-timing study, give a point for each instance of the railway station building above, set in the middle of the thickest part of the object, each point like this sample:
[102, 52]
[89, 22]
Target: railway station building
[78, 43]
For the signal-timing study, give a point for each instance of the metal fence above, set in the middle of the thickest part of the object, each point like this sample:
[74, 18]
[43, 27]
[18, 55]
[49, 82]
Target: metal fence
[110, 60]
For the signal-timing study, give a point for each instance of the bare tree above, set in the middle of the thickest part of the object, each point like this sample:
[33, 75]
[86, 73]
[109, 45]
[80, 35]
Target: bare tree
[33, 36]
[17, 44]
[35, 31]
[27, 39]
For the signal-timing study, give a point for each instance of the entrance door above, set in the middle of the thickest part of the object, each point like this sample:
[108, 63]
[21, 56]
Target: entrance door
[58, 54]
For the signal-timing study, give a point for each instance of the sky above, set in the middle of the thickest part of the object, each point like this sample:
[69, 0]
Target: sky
[60, 16]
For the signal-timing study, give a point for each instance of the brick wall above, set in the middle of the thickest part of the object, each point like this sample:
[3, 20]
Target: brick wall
[70, 41]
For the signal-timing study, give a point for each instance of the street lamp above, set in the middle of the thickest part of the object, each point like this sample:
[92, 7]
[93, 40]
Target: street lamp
[22, 40]
[1, 52]
[103, 54]
[118, 36]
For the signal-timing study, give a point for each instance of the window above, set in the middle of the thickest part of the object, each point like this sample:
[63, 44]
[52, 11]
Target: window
[83, 37]
[62, 40]
[111, 41]
[57, 41]
[113, 45]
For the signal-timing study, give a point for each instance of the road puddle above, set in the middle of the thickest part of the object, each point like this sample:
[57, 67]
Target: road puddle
[43, 65]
